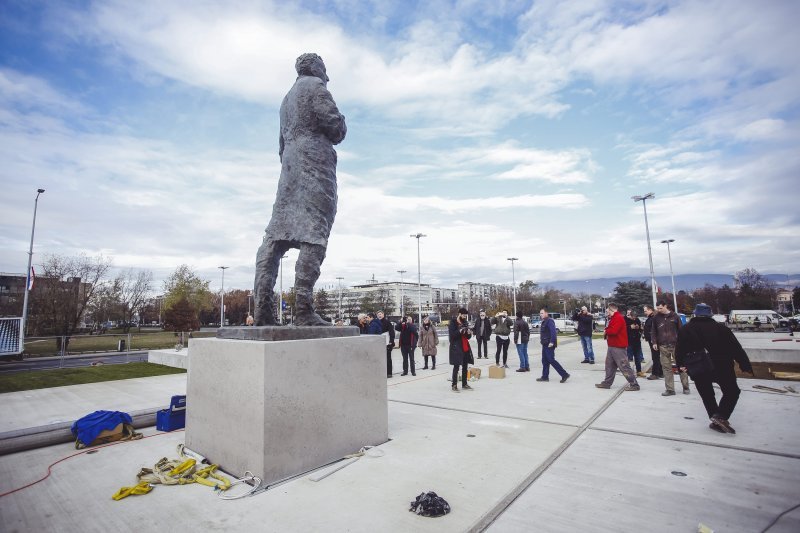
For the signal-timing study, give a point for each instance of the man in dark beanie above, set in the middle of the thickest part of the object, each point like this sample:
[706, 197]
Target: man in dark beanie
[460, 351]
[702, 335]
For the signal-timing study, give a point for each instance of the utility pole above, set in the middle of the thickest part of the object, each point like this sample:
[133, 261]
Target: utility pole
[418, 236]
[222, 301]
[514, 282]
[643, 199]
[401, 291]
[340, 295]
[28, 277]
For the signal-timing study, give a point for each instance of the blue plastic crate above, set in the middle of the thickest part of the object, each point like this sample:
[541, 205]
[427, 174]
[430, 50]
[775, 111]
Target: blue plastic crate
[174, 417]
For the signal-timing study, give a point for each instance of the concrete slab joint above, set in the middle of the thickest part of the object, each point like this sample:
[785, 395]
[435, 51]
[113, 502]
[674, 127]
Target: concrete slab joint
[282, 408]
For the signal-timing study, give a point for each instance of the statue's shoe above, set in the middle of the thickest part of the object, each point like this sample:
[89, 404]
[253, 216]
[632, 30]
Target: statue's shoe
[311, 319]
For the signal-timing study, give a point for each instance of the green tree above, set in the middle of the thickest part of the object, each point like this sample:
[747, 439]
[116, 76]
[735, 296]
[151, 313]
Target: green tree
[632, 294]
[181, 316]
[323, 304]
[184, 285]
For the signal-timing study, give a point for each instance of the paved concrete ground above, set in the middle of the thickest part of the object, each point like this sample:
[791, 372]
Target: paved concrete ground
[514, 455]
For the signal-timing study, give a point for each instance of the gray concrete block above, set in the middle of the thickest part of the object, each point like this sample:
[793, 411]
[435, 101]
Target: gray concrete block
[171, 357]
[282, 408]
[285, 333]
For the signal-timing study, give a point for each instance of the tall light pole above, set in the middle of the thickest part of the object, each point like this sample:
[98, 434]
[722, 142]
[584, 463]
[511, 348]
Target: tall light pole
[280, 304]
[401, 272]
[418, 236]
[643, 199]
[28, 276]
[222, 302]
[340, 295]
[669, 254]
[514, 282]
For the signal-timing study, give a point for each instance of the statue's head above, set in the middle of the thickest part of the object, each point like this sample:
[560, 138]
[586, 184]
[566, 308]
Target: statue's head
[311, 65]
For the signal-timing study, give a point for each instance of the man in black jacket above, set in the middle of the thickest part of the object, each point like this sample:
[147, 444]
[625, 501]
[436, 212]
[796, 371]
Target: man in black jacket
[483, 330]
[704, 334]
[460, 350]
[655, 372]
[585, 327]
[522, 334]
[388, 332]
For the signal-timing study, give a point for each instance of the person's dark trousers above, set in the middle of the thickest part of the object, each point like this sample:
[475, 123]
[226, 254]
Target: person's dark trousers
[548, 360]
[502, 345]
[408, 353]
[463, 368]
[656, 356]
[389, 348]
[483, 341]
[726, 377]
[433, 359]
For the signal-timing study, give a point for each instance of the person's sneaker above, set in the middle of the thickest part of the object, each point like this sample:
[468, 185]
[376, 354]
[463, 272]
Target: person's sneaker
[586, 361]
[404, 374]
[686, 391]
[424, 368]
[632, 387]
[466, 387]
[653, 377]
[668, 393]
[542, 379]
[413, 373]
[520, 370]
[722, 424]
[602, 386]
[527, 369]
[454, 388]
[388, 376]
[505, 366]
[564, 379]
[641, 375]
[591, 362]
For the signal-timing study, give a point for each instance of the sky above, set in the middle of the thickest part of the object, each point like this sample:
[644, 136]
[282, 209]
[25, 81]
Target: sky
[497, 129]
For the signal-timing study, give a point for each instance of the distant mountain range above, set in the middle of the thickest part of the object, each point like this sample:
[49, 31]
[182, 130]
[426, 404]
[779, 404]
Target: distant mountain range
[683, 282]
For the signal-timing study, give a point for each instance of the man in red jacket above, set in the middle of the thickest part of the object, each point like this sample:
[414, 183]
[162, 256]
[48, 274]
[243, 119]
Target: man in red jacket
[616, 334]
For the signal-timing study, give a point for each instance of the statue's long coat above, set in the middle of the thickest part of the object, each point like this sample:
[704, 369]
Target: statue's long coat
[305, 204]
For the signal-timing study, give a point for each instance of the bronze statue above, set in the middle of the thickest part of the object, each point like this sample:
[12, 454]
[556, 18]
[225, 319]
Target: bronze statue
[305, 204]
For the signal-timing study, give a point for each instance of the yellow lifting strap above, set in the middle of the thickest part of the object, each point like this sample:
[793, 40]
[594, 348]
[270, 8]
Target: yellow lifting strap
[141, 488]
[175, 472]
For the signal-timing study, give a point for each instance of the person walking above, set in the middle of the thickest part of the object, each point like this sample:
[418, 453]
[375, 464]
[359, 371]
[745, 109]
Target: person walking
[585, 322]
[634, 330]
[522, 334]
[408, 343]
[617, 355]
[483, 330]
[502, 331]
[705, 337]
[460, 350]
[387, 329]
[655, 370]
[549, 340]
[664, 336]
[428, 341]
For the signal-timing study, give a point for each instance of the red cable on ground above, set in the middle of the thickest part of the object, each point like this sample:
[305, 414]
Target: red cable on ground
[94, 448]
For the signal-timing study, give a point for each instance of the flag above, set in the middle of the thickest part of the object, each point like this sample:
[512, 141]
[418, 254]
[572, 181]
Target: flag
[658, 289]
[31, 279]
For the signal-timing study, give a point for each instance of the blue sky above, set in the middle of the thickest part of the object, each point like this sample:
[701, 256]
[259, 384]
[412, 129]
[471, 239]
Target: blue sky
[498, 129]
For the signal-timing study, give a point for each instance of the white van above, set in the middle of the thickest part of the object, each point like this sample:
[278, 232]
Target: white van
[754, 317]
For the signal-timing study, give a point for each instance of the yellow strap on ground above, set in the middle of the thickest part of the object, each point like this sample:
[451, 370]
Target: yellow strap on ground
[183, 467]
[124, 492]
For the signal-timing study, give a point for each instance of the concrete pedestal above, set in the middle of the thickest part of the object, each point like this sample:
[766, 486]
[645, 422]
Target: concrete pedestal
[282, 408]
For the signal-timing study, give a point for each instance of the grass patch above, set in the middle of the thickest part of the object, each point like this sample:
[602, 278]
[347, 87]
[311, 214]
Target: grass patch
[40, 347]
[43, 379]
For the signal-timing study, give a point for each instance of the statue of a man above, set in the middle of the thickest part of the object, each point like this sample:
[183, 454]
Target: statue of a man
[305, 205]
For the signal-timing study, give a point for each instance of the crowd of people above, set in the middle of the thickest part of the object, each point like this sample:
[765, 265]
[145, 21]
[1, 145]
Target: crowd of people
[703, 349]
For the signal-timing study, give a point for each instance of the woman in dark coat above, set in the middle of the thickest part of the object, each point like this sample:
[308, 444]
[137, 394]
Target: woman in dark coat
[460, 351]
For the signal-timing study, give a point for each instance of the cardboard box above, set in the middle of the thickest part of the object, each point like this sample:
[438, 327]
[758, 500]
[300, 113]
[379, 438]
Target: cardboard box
[473, 373]
[497, 372]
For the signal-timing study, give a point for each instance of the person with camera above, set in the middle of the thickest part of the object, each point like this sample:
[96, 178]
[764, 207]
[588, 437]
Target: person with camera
[428, 341]
[635, 341]
[460, 350]
[483, 330]
[408, 343]
[707, 350]
[655, 371]
[502, 331]
[585, 322]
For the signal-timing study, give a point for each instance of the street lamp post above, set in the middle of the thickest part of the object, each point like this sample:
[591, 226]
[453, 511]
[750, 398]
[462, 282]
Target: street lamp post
[514, 282]
[669, 254]
[340, 295]
[28, 276]
[222, 302]
[643, 199]
[418, 236]
[401, 291]
[280, 302]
